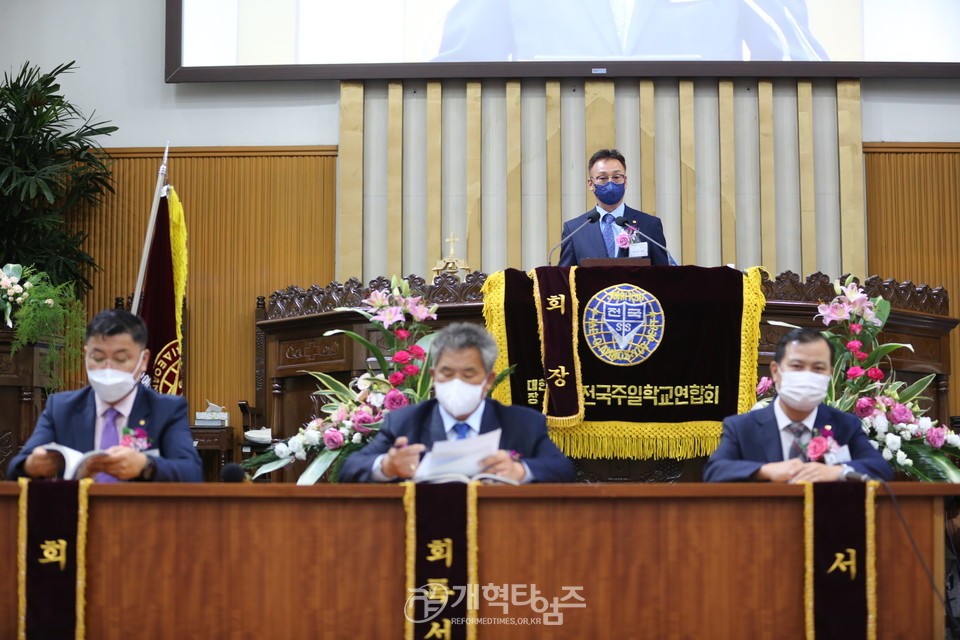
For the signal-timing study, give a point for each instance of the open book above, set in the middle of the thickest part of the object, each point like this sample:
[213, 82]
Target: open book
[76, 463]
[459, 460]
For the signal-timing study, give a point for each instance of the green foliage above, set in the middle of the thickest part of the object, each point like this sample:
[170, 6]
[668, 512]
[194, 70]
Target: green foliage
[50, 163]
[45, 313]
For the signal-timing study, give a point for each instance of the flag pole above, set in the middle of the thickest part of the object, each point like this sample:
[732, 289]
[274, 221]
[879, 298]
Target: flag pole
[148, 240]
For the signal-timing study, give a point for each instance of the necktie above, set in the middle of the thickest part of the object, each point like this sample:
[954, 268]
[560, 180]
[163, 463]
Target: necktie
[109, 439]
[461, 428]
[796, 450]
[608, 236]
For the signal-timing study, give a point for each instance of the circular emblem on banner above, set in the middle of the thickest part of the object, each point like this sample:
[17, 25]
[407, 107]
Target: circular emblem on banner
[166, 369]
[623, 324]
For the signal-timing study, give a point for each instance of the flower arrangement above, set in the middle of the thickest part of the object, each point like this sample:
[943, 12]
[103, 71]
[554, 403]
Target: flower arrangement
[136, 438]
[39, 311]
[891, 410]
[821, 445]
[352, 413]
[629, 235]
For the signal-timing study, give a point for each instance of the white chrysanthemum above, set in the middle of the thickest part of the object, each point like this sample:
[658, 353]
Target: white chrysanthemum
[953, 440]
[344, 431]
[27, 284]
[887, 455]
[892, 441]
[357, 438]
[282, 450]
[902, 458]
[347, 424]
[880, 423]
[311, 436]
[925, 423]
[19, 300]
[296, 447]
[876, 445]
[375, 399]
[363, 382]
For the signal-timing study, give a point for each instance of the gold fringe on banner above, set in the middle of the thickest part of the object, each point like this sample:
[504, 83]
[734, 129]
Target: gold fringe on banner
[561, 422]
[753, 304]
[178, 255]
[871, 524]
[82, 518]
[638, 441]
[472, 558]
[22, 560]
[808, 620]
[410, 508]
[494, 316]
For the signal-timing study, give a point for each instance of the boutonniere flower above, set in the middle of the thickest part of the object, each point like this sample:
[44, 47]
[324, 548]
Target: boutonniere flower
[136, 439]
[822, 443]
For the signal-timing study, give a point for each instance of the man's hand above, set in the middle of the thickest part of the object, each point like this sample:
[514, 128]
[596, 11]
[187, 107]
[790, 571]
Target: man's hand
[402, 460]
[779, 471]
[502, 464]
[817, 472]
[123, 463]
[43, 464]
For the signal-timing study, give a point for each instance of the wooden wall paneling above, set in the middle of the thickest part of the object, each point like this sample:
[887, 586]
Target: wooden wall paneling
[257, 219]
[688, 173]
[913, 221]
[648, 148]
[349, 252]
[852, 214]
[434, 174]
[514, 170]
[728, 173]
[553, 171]
[599, 122]
[768, 192]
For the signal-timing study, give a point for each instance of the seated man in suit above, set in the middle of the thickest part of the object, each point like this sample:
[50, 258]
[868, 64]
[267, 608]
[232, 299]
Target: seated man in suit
[768, 444]
[463, 355]
[95, 417]
[609, 183]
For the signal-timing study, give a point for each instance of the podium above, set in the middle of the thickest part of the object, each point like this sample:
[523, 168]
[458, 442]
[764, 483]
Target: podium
[679, 561]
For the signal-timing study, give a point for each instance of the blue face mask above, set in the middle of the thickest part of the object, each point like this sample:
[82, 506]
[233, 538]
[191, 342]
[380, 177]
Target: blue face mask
[610, 193]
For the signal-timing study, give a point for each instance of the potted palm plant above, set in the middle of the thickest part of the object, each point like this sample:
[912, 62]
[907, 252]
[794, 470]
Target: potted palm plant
[51, 166]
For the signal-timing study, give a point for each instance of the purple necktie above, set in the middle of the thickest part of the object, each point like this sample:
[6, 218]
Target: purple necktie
[109, 439]
[608, 239]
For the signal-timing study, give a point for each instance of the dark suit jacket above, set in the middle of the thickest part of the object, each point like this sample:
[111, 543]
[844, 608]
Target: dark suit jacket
[752, 439]
[69, 419]
[588, 242]
[524, 431]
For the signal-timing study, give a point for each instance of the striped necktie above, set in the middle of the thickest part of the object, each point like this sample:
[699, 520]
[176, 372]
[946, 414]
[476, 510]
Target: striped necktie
[798, 429]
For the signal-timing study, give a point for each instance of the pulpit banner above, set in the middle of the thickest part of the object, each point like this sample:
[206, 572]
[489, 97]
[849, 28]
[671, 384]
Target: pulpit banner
[840, 588]
[51, 566]
[628, 362]
[442, 593]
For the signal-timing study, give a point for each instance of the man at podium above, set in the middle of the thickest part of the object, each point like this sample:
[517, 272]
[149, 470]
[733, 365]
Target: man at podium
[583, 238]
[771, 444]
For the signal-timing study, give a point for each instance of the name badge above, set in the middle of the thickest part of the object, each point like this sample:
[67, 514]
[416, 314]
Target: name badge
[638, 250]
[839, 456]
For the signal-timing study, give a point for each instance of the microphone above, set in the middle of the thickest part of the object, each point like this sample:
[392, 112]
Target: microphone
[233, 472]
[621, 221]
[593, 216]
[856, 476]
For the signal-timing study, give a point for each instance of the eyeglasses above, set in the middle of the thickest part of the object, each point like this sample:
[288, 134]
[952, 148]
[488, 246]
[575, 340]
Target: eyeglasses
[618, 178]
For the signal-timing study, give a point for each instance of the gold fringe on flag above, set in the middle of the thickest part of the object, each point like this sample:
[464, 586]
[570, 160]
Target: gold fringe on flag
[178, 251]
[753, 304]
[494, 316]
[639, 441]
[871, 524]
[82, 518]
[22, 560]
[472, 558]
[808, 619]
[410, 508]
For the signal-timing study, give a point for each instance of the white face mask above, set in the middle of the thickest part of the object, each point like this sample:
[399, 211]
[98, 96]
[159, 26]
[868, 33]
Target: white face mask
[459, 398]
[111, 385]
[803, 390]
